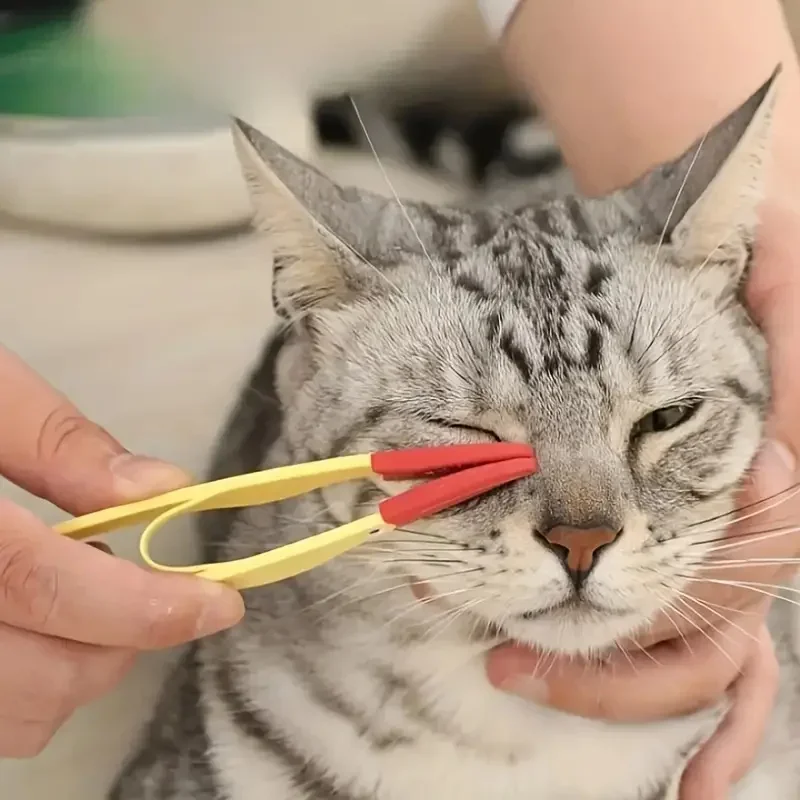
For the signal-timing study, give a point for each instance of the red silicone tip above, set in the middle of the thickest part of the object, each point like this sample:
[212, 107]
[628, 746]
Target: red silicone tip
[420, 461]
[437, 495]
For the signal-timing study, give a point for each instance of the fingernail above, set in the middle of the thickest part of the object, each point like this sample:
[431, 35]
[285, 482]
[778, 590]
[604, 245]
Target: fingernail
[139, 476]
[778, 452]
[102, 546]
[533, 689]
[223, 609]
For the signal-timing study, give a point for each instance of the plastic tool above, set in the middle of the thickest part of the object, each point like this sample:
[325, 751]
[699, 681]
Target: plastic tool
[456, 473]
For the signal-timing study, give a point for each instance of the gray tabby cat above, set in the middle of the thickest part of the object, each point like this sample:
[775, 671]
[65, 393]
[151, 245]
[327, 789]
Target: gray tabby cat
[631, 365]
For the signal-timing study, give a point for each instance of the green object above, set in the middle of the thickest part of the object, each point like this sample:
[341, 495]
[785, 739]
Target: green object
[59, 70]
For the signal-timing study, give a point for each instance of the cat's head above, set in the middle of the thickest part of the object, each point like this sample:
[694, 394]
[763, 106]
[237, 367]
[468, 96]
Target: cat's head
[607, 333]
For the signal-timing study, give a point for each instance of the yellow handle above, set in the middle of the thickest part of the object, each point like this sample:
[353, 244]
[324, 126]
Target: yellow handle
[236, 492]
[252, 489]
[274, 565]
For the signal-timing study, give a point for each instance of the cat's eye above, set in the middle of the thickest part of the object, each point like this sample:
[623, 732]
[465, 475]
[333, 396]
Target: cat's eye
[665, 419]
[473, 429]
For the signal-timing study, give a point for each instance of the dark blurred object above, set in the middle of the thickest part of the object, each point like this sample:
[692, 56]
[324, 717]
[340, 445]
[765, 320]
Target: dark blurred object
[16, 14]
[472, 145]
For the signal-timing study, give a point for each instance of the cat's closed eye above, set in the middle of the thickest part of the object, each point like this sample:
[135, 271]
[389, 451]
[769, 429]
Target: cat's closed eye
[459, 426]
[665, 419]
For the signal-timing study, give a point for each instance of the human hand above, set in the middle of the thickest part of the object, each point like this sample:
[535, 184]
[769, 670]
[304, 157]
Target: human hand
[72, 617]
[719, 643]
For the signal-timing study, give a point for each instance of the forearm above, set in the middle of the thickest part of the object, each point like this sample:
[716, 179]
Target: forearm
[629, 83]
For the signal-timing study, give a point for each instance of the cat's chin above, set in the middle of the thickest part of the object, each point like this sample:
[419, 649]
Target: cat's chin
[573, 631]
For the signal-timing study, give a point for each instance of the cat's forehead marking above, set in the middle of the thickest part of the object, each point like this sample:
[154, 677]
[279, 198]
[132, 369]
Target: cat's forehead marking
[542, 301]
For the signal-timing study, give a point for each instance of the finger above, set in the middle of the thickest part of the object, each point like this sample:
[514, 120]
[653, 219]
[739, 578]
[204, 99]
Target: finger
[43, 679]
[676, 677]
[773, 294]
[771, 503]
[50, 449]
[55, 586]
[731, 752]
[24, 739]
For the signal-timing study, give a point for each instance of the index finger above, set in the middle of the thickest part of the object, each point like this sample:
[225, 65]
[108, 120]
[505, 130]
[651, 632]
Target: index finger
[55, 586]
[50, 449]
[674, 678]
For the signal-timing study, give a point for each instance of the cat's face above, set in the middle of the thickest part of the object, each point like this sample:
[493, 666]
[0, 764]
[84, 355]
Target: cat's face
[626, 361]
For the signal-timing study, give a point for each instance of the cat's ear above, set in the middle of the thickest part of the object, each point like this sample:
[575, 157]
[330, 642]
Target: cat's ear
[312, 223]
[705, 202]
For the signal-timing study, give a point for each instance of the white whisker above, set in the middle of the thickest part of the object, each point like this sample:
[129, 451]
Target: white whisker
[389, 182]
[763, 506]
[756, 588]
[704, 632]
[749, 539]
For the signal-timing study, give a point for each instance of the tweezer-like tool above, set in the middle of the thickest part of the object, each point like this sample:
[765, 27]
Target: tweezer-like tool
[454, 474]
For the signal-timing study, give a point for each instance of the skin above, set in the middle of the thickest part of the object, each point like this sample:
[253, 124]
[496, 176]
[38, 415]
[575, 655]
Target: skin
[647, 79]
[74, 616]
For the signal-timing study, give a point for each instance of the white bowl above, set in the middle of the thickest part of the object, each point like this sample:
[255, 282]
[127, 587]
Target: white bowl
[121, 177]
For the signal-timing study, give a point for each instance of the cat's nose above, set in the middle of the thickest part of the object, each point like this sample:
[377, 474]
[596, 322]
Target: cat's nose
[578, 548]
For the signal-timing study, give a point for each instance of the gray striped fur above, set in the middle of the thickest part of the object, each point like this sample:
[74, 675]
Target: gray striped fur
[564, 324]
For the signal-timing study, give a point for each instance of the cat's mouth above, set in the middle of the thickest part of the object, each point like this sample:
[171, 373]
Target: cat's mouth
[572, 604]
[575, 604]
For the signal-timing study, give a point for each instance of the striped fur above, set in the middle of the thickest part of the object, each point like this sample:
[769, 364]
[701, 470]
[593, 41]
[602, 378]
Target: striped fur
[570, 324]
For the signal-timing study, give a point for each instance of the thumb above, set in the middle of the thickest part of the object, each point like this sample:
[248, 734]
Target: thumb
[52, 450]
[772, 476]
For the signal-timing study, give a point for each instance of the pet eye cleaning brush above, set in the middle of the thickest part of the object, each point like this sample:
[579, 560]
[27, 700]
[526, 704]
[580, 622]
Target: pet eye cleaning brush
[94, 138]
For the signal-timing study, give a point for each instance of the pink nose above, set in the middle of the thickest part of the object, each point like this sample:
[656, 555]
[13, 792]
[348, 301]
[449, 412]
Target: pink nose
[578, 547]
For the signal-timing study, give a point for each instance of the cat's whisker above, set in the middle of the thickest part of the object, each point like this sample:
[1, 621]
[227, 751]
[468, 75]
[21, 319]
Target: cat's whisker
[681, 188]
[406, 546]
[717, 606]
[404, 583]
[646, 652]
[688, 598]
[386, 178]
[418, 603]
[311, 520]
[429, 534]
[628, 658]
[755, 588]
[662, 239]
[777, 586]
[704, 621]
[434, 561]
[704, 633]
[553, 660]
[747, 539]
[666, 607]
[443, 621]
[376, 575]
[771, 502]
[737, 563]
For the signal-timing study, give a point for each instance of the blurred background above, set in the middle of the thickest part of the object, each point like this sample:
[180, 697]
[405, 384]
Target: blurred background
[127, 275]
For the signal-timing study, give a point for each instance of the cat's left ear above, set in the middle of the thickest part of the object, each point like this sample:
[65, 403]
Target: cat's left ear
[705, 203]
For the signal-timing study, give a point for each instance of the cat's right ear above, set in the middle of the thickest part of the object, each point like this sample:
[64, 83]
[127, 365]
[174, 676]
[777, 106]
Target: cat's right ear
[705, 202]
[312, 224]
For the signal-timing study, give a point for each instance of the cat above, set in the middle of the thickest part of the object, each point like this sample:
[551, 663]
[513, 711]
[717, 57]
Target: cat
[610, 334]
